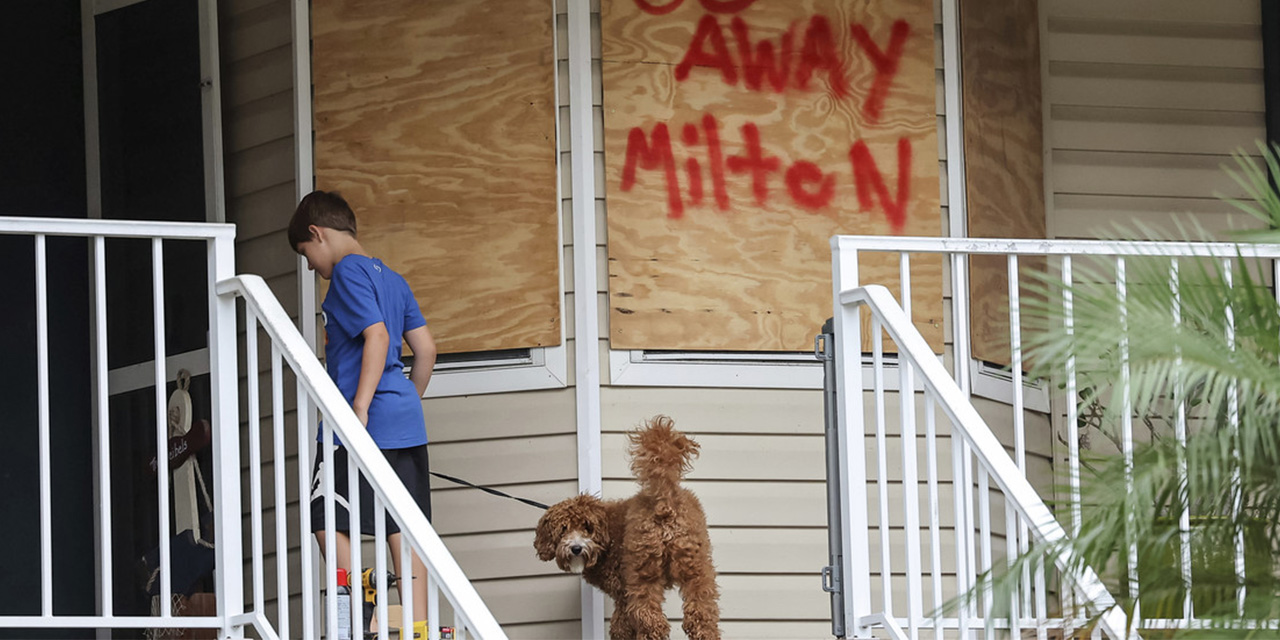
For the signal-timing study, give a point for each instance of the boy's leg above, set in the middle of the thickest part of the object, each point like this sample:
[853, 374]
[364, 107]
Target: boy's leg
[413, 468]
[419, 578]
[343, 551]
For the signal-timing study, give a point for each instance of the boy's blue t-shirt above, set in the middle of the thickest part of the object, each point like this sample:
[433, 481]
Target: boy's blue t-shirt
[364, 292]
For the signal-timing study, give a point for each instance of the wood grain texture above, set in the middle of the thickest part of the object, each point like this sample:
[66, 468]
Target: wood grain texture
[1003, 142]
[754, 275]
[436, 121]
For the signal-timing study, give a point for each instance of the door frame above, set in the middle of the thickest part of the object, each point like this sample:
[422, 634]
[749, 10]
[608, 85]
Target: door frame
[126, 378]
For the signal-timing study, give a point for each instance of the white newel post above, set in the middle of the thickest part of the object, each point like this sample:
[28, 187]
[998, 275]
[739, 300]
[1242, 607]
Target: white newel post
[227, 514]
[856, 572]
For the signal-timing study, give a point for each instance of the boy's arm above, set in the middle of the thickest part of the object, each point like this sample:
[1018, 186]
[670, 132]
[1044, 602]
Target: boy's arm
[423, 347]
[374, 360]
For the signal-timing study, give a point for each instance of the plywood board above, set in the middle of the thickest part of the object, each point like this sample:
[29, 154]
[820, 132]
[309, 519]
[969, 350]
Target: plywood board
[1004, 167]
[739, 137]
[436, 121]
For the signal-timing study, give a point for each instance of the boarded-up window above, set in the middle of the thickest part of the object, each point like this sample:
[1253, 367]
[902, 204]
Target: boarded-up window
[436, 122]
[740, 135]
[1004, 167]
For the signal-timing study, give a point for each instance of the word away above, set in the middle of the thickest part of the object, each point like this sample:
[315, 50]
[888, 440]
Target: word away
[818, 52]
[805, 182]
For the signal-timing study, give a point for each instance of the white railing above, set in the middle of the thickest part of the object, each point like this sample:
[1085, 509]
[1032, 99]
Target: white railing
[239, 577]
[390, 496]
[928, 547]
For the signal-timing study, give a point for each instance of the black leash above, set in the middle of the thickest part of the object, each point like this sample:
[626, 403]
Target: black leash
[490, 490]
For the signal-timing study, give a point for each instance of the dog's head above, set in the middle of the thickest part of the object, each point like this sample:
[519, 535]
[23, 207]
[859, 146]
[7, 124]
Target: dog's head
[574, 532]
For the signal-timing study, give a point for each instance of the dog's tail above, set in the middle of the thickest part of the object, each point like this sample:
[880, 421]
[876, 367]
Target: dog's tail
[660, 455]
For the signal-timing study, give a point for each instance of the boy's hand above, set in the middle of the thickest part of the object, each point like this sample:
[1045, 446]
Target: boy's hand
[363, 414]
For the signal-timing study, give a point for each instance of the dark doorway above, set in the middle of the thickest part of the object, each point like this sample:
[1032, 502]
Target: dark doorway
[150, 134]
[42, 173]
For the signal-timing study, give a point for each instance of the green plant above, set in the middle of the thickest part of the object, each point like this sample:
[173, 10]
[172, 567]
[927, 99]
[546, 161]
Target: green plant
[1218, 363]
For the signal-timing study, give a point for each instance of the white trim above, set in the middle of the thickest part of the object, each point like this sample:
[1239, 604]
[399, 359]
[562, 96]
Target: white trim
[543, 369]
[957, 194]
[142, 375]
[994, 383]
[303, 154]
[586, 327]
[692, 369]
[215, 202]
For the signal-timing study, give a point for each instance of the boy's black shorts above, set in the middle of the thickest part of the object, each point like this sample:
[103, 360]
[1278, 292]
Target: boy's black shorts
[410, 465]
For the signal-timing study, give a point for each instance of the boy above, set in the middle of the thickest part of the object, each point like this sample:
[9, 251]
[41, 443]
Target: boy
[367, 305]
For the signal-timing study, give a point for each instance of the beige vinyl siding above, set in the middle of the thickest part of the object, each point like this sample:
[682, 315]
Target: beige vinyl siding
[257, 125]
[1146, 100]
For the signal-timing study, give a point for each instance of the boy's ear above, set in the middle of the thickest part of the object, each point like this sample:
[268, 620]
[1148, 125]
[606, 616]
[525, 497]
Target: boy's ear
[314, 230]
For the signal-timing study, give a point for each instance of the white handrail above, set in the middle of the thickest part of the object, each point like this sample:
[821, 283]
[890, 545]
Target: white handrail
[115, 228]
[984, 444]
[1031, 247]
[386, 485]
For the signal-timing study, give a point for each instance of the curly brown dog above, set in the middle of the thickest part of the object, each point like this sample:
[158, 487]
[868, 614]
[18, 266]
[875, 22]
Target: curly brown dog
[636, 549]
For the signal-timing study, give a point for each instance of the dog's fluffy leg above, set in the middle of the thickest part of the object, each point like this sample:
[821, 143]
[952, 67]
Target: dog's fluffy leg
[701, 608]
[693, 571]
[621, 626]
[645, 609]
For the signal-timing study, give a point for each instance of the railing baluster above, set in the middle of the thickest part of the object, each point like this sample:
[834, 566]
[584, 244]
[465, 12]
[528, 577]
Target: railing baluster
[308, 586]
[1073, 438]
[162, 425]
[353, 510]
[958, 489]
[1180, 434]
[984, 524]
[1016, 531]
[910, 473]
[971, 523]
[433, 609]
[330, 529]
[278, 458]
[1233, 413]
[1011, 541]
[255, 458]
[1127, 421]
[102, 404]
[42, 399]
[882, 477]
[935, 542]
[380, 563]
[406, 587]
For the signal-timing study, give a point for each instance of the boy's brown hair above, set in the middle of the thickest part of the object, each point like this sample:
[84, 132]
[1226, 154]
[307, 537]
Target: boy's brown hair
[323, 209]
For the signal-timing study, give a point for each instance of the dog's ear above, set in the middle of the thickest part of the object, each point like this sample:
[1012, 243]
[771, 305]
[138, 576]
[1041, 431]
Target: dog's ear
[542, 540]
[600, 526]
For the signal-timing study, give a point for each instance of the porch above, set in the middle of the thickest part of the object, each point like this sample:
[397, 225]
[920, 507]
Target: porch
[933, 495]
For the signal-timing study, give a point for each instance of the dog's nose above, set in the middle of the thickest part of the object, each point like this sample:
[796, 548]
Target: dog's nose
[576, 549]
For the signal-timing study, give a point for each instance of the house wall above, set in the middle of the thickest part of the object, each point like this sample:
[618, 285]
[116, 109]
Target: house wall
[761, 474]
[1145, 100]
[1140, 114]
[1144, 103]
